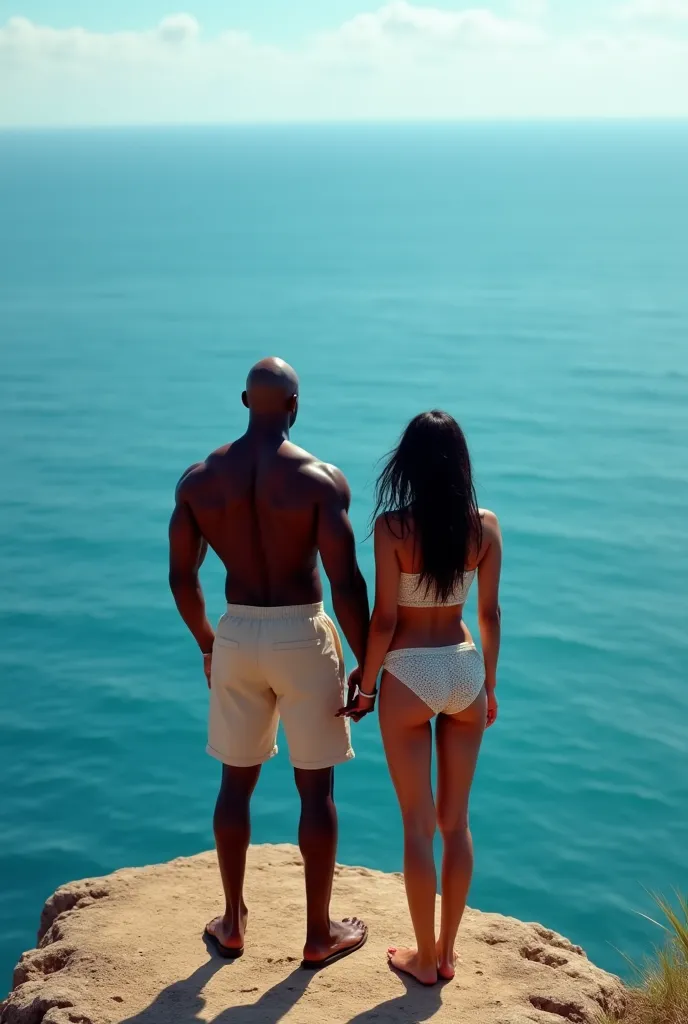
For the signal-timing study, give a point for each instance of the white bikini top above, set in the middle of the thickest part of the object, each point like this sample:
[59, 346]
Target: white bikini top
[412, 592]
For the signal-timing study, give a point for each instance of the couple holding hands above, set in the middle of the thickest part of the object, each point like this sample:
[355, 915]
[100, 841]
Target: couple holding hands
[268, 509]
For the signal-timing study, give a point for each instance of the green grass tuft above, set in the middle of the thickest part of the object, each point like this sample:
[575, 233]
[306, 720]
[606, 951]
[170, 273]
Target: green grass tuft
[659, 994]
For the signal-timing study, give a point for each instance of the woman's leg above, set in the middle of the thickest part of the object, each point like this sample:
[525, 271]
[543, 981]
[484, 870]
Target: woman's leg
[458, 743]
[407, 736]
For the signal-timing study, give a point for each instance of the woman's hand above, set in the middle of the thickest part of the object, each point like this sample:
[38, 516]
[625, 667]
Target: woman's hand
[492, 708]
[357, 706]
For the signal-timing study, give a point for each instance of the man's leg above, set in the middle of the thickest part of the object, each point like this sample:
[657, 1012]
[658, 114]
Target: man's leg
[318, 844]
[232, 825]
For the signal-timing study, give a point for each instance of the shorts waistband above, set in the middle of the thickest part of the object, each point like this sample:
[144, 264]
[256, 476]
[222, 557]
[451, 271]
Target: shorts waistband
[290, 611]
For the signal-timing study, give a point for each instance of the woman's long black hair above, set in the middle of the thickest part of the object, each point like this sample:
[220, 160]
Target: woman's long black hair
[427, 479]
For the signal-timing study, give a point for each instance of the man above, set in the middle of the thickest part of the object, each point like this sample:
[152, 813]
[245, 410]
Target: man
[267, 508]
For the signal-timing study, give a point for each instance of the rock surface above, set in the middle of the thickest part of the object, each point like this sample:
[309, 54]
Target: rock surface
[128, 948]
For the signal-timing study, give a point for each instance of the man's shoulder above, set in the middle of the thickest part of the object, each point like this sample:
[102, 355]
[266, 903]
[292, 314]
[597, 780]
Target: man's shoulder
[218, 455]
[198, 475]
[329, 480]
[190, 481]
[325, 482]
[325, 474]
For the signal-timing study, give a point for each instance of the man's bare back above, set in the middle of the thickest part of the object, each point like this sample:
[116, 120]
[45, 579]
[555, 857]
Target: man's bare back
[267, 508]
[258, 504]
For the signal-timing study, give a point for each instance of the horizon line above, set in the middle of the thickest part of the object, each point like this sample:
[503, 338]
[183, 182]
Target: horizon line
[503, 121]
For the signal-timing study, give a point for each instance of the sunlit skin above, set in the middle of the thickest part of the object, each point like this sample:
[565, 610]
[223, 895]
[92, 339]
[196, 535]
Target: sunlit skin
[268, 508]
[405, 719]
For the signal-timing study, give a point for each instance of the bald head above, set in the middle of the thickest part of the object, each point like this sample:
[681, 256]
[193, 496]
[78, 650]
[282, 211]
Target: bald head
[272, 388]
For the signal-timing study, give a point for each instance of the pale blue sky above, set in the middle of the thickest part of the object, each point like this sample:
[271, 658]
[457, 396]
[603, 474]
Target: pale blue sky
[165, 61]
[272, 20]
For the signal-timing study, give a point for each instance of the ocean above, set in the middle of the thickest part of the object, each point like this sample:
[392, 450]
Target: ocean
[530, 279]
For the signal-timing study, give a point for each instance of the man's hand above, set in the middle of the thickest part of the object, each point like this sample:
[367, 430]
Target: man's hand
[207, 666]
[357, 707]
[352, 690]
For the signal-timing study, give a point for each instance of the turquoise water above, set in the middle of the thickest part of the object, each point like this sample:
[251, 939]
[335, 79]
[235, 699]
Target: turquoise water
[531, 280]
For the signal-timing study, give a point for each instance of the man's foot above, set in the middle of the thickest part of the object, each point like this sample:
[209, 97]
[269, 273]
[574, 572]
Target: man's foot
[408, 961]
[446, 963]
[226, 933]
[344, 937]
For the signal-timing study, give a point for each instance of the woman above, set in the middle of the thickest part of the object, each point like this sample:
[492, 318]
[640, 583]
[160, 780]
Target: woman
[431, 539]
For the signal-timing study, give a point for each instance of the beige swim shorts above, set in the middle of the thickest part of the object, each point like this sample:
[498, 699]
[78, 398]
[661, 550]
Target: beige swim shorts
[277, 663]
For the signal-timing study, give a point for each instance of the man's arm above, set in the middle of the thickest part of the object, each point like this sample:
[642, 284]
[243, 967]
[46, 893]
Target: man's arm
[188, 548]
[337, 548]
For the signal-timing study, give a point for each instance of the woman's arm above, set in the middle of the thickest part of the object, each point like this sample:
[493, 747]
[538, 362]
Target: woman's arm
[384, 618]
[489, 614]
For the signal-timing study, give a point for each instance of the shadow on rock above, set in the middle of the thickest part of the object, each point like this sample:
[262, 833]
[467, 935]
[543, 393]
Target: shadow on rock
[417, 1004]
[180, 1003]
[273, 1005]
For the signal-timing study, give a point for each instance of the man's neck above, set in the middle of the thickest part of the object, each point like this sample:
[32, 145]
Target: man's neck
[267, 430]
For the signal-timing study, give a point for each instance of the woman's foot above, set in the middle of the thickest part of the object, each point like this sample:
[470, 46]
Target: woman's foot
[446, 963]
[410, 962]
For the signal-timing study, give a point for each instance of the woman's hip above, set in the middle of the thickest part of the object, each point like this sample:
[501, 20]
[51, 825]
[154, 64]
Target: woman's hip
[447, 679]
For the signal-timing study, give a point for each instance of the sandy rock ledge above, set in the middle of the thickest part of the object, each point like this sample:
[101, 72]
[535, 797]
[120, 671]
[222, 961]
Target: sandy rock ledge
[128, 948]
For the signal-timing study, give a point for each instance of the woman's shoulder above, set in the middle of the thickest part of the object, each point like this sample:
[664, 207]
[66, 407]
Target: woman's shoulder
[391, 526]
[490, 525]
[488, 518]
[386, 521]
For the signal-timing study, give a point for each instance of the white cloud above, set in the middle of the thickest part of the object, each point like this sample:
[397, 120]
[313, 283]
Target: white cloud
[402, 24]
[21, 39]
[399, 61]
[654, 10]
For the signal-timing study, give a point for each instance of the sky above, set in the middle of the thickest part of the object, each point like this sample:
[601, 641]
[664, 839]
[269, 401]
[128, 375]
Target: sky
[93, 62]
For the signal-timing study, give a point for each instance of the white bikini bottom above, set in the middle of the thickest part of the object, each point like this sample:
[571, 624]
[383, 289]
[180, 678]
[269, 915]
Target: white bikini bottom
[447, 679]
